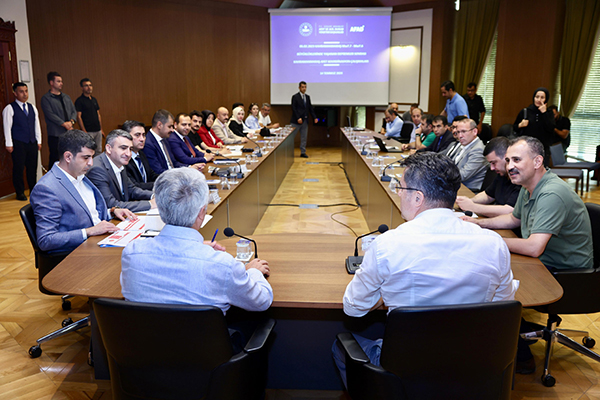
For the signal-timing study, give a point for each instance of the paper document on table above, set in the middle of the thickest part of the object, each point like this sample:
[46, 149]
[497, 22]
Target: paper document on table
[132, 225]
[206, 219]
[119, 239]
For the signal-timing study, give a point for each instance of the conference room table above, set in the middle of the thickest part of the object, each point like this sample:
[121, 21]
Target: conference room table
[308, 278]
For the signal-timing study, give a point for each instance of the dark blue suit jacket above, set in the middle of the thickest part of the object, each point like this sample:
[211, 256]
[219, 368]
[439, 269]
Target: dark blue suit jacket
[103, 176]
[182, 153]
[155, 156]
[61, 213]
[299, 110]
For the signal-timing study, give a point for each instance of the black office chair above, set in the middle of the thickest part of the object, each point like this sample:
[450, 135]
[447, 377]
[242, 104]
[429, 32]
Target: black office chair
[440, 352]
[507, 131]
[45, 262]
[559, 164]
[149, 359]
[406, 131]
[581, 296]
[486, 133]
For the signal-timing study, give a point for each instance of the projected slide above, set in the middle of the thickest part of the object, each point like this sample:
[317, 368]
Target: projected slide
[337, 55]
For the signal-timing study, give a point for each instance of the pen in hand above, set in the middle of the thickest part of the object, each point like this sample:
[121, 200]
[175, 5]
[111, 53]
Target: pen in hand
[215, 235]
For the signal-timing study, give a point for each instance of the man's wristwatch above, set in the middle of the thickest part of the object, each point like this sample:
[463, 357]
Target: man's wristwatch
[112, 211]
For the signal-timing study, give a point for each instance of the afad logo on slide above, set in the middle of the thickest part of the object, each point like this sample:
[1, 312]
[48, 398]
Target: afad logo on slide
[305, 29]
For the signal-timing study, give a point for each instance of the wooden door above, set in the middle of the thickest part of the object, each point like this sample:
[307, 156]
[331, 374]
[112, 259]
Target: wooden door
[8, 75]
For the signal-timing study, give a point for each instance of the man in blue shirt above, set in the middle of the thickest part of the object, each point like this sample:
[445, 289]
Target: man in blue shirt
[393, 124]
[455, 104]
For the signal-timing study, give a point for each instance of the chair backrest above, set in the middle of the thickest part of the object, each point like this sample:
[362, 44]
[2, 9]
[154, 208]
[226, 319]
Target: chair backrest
[406, 130]
[486, 133]
[594, 213]
[162, 350]
[28, 218]
[558, 154]
[506, 130]
[456, 351]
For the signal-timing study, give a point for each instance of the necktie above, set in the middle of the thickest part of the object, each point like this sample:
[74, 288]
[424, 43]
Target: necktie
[304, 99]
[166, 149]
[187, 142]
[25, 109]
[141, 168]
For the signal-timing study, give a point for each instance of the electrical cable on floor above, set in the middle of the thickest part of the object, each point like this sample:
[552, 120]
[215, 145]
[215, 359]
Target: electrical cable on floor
[356, 207]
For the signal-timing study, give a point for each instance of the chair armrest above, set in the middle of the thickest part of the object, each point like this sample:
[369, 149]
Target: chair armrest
[352, 348]
[574, 271]
[260, 336]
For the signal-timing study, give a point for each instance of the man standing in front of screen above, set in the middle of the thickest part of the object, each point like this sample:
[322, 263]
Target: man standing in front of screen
[301, 107]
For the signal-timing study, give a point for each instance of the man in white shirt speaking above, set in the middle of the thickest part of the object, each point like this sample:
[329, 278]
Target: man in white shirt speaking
[432, 259]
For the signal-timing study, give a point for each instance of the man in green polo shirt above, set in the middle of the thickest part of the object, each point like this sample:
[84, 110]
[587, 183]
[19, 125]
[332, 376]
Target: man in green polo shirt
[554, 221]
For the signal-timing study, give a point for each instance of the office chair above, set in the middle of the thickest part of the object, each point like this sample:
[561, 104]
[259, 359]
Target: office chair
[45, 262]
[559, 163]
[406, 131]
[507, 131]
[450, 352]
[149, 359]
[581, 296]
[486, 133]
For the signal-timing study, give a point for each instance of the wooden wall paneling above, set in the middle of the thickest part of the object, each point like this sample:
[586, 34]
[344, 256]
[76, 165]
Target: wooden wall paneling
[142, 56]
[528, 52]
[8, 76]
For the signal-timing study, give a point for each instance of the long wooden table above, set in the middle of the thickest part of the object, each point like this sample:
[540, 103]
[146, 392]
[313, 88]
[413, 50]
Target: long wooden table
[308, 279]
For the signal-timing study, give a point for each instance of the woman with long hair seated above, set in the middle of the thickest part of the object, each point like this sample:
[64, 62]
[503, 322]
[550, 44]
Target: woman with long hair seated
[210, 141]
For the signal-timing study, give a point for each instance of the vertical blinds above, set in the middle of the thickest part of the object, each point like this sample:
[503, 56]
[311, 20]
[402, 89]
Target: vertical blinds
[585, 123]
[486, 86]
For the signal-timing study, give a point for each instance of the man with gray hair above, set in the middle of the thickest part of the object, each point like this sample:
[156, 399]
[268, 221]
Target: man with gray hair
[468, 156]
[449, 262]
[110, 177]
[178, 266]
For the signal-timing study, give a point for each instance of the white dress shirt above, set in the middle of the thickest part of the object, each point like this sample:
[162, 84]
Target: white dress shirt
[435, 259]
[117, 171]
[87, 194]
[7, 121]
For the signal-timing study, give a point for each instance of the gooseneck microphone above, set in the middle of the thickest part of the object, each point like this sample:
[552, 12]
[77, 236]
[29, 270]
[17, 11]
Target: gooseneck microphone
[229, 232]
[239, 175]
[384, 177]
[258, 151]
[353, 262]
[363, 152]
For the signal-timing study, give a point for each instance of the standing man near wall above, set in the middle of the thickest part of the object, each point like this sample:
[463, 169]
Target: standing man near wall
[59, 113]
[301, 107]
[23, 138]
[88, 113]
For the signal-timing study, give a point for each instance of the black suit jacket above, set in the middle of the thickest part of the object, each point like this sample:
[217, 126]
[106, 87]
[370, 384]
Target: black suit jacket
[438, 146]
[135, 176]
[299, 110]
[103, 176]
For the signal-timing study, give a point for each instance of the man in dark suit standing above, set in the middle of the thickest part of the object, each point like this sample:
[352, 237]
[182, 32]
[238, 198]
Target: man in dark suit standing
[138, 169]
[301, 107]
[109, 176]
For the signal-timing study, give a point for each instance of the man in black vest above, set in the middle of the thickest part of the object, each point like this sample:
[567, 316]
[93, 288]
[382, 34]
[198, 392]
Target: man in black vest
[23, 138]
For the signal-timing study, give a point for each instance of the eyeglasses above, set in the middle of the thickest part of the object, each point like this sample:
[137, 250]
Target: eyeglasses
[398, 188]
[463, 132]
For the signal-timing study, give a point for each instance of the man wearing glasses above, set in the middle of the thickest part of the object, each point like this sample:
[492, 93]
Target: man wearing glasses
[434, 258]
[469, 157]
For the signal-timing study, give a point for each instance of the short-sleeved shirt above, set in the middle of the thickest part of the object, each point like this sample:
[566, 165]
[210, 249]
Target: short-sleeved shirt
[428, 139]
[456, 106]
[555, 208]
[503, 191]
[562, 124]
[475, 106]
[88, 107]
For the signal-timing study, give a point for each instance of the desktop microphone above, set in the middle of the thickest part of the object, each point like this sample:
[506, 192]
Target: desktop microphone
[258, 151]
[363, 151]
[239, 175]
[384, 177]
[229, 233]
[353, 262]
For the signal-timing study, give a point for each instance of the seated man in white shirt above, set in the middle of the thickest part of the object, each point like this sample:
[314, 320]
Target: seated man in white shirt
[68, 207]
[264, 120]
[178, 266]
[432, 259]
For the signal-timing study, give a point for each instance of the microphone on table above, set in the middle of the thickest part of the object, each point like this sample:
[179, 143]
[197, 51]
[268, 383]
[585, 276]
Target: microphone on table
[229, 232]
[353, 262]
[258, 151]
[363, 152]
[239, 175]
[384, 177]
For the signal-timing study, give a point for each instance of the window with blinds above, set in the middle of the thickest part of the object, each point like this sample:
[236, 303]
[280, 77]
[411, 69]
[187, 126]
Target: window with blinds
[585, 123]
[486, 86]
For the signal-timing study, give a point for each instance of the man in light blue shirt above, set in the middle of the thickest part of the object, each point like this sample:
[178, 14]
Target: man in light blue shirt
[393, 127]
[455, 104]
[178, 266]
